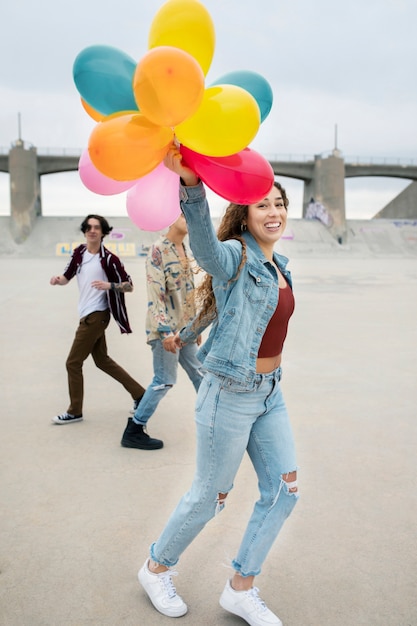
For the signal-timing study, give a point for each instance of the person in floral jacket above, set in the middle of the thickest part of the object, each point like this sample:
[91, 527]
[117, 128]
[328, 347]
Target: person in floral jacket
[170, 272]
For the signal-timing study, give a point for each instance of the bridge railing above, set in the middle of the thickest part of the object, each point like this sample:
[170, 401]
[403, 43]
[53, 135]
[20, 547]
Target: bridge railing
[303, 158]
[71, 152]
[352, 160]
[296, 158]
[372, 160]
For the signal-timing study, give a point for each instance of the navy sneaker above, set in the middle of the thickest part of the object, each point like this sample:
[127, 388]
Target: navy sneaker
[66, 418]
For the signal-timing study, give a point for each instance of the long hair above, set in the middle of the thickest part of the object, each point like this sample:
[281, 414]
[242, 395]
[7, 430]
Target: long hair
[230, 227]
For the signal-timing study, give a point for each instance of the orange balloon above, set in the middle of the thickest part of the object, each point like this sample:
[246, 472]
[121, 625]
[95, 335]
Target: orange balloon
[126, 146]
[168, 85]
[92, 112]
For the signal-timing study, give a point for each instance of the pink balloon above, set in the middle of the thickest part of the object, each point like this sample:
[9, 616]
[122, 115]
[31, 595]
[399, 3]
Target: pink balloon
[98, 182]
[153, 203]
[243, 178]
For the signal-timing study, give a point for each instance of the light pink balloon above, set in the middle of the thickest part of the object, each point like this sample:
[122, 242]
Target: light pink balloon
[153, 203]
[96, 181]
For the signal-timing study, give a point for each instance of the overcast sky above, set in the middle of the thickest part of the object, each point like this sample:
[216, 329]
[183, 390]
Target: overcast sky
[350, 64]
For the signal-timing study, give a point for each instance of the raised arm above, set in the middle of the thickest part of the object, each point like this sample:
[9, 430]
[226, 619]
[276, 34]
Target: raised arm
[220, 259]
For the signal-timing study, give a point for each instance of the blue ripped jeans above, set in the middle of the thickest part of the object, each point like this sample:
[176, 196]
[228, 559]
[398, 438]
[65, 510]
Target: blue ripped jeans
[165, 369]
[230, 421]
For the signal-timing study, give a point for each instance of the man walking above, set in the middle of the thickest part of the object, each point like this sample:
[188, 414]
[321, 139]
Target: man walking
[102, 282]
[170, 271]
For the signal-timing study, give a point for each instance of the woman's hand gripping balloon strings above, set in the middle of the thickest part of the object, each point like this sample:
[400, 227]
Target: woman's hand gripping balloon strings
[173, 161]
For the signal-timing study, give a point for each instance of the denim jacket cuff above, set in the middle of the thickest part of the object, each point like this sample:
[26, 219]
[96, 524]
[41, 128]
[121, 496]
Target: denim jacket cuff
[192, 194]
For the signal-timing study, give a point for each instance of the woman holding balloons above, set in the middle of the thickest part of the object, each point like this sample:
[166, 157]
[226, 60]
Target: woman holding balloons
[247, 296]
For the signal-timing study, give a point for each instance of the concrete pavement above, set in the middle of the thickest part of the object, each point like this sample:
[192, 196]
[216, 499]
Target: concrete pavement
[78, 511]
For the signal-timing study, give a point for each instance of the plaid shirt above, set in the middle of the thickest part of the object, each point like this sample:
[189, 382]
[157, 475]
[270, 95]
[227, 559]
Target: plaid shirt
[170, 286]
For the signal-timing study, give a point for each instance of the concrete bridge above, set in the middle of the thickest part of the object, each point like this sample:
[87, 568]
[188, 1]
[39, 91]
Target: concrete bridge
[324, 180]
[323, 176]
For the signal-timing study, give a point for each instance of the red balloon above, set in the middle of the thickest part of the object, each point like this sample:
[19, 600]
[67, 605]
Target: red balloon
[243, 178]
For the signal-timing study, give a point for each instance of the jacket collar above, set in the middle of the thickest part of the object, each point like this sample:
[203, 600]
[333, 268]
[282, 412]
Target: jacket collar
[280, 259]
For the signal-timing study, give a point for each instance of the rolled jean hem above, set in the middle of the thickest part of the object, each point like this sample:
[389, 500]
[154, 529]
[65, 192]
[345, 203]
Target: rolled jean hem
[160, 561]
[237, 567]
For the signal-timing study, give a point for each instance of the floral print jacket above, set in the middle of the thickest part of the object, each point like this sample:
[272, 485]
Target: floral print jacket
[170, 287]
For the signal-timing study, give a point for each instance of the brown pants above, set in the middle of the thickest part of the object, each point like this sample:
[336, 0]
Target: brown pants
[89, 339]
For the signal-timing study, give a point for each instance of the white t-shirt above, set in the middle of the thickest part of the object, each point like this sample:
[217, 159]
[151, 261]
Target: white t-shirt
[91, 299]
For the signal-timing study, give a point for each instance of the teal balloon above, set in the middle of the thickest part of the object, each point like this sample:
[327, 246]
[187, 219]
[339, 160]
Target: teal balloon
[255, 84]
[103, 76]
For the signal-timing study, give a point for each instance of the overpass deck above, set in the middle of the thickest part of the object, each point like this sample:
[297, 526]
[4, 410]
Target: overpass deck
[51, 161]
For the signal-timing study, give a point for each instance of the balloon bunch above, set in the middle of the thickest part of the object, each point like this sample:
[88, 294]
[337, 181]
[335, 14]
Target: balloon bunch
[141, 107]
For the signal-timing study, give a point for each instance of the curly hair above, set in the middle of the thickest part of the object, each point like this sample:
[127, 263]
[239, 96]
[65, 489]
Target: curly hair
[230, 228]
[105, 226]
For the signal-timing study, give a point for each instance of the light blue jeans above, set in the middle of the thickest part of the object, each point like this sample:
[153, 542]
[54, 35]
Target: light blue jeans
[165, 367]
[230, 420]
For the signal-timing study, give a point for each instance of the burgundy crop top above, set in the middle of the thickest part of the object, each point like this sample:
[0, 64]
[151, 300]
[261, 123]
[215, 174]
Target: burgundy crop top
[274, 336]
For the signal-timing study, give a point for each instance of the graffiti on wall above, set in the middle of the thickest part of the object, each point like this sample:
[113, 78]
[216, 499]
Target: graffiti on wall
[317, 211]
[115, 242]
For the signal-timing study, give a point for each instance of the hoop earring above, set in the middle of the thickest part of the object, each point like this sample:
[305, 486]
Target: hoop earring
[243, 227]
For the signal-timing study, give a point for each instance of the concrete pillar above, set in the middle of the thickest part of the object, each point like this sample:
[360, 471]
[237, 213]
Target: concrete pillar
[25, 191]
[328, 187]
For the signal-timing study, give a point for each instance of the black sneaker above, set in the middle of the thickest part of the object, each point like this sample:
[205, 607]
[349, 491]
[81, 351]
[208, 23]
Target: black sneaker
[66, 418]
[135, 437]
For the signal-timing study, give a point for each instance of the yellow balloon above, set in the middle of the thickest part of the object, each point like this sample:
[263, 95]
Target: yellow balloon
[168, 85]
[126, 146]
[225, 123]
[185, 24]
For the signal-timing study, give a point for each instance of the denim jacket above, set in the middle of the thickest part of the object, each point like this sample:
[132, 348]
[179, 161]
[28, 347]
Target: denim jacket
[244, 306]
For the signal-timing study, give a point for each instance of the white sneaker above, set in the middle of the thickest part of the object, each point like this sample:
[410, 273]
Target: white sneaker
[67, 418]
[249, 606]
[162, 592]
